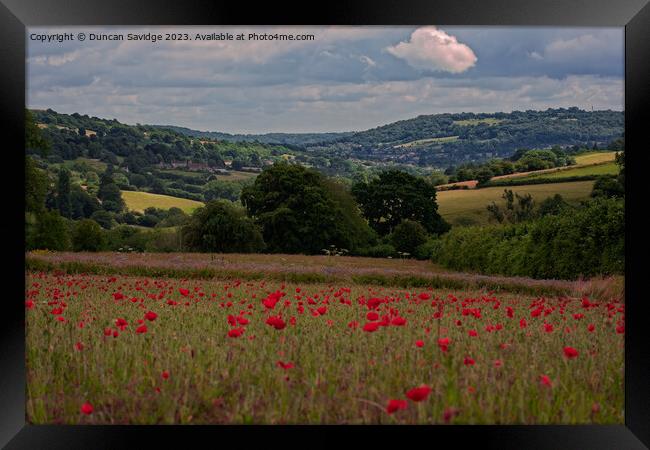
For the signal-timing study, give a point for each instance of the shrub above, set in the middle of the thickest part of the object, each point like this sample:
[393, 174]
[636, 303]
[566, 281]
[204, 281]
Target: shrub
[87, 236]
[427, 250]
[378, 251]
[586, 241]
[104, 219]
[48, 231]
[408, 235]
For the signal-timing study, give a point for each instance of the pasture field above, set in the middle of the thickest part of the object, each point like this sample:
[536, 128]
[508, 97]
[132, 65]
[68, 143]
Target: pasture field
[118, 349]
[139, 201]
[609, 168]
[470, 204]
[236, 175]
[187, 173]
[595, 158]
[488, 120]
[429, 141]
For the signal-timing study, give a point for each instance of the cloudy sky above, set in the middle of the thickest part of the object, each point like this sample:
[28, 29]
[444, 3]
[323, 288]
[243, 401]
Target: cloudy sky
[347, 78]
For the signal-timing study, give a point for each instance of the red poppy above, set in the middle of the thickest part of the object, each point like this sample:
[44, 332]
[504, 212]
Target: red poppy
[79, 346]
[353, 324]
[121, 323]
[449, 414]
[419, 343]
[87, 408]
[371, 326]
[57, 311]
[235, 332]
[285, 366]
[29, 304]
[184, 292]
[165, 375]
[118, 296]
[419, 393]
[372, 316]
[620, 329]
[399, 321]
[545, 380]
[472, 333]
[141, 329]
[242, 320]
[395, 405]
[570, 352]
[523, 324]
[468, 361]
[591, 327]
[443, 343]
[424, 296]
[548, 327]
[321, 310]
[150, 316]
[276, 322]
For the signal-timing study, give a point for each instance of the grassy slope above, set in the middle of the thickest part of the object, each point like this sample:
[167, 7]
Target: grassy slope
[609, 168]
[472, 203]
[138, 201]
[595, 157]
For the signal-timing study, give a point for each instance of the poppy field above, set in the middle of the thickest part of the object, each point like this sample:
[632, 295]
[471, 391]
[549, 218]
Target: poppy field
[122, 349]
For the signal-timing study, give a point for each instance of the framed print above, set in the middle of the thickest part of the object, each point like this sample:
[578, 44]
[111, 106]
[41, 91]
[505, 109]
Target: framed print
[379, 219]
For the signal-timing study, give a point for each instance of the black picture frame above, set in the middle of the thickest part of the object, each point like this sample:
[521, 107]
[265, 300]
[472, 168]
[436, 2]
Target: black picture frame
[634, 15]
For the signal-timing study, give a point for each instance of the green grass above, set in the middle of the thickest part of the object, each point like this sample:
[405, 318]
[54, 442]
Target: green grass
[470, 122]
[139, 201]
[429, 141]
[595, 157]
[236, 175]
[340, 374]
[467, 206]
[186, 173]
[609, 168]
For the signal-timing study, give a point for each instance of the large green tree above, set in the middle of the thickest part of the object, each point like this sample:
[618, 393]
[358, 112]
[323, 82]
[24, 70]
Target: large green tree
[63, 195]
[394, 196]
[109, 192]
[300, 211]
[222, 227]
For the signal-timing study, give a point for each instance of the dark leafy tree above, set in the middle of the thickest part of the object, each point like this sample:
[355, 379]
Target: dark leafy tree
[222, 227]
[521, 210]
[87, 236]
[34, 141]
[103, 218]
[395, 196]
[48, 232]
[63, 197]
[408, 235]
[299, 213]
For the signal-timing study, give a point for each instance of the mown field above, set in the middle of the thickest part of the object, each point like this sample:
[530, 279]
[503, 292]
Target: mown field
[609, 168]
[108, 348]
[595, 157]
[465, 206]
[139, 201]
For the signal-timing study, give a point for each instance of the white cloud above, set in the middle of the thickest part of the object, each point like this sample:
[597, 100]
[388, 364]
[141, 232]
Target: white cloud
[432, 49]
